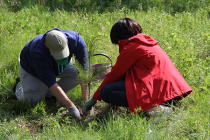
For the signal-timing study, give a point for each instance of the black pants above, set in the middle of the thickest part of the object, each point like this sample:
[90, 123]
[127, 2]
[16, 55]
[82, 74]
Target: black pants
[115, 94]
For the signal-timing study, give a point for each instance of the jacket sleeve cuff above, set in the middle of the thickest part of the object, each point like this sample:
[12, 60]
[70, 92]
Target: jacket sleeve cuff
[97, 96]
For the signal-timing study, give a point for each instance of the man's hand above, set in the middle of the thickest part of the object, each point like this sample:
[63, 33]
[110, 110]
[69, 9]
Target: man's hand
[74, 112]
[88, 106]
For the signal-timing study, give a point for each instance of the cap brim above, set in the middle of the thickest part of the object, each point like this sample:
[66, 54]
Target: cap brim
[62, 54]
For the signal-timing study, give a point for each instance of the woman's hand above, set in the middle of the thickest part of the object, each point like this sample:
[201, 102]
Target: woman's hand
[88, 106]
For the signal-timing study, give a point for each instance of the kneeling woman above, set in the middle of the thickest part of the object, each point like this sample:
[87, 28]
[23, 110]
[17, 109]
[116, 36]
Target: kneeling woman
[143, 77]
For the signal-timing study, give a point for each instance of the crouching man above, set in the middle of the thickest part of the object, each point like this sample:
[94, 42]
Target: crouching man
[45, 58]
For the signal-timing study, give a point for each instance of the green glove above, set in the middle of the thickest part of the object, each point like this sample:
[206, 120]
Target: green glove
[74, 112]
[89, 106]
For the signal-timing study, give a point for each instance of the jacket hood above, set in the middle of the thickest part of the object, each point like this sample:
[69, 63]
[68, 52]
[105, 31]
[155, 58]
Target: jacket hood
[142, 39]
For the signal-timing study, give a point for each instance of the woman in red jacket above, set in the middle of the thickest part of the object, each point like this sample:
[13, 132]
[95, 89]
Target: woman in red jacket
[143, 77]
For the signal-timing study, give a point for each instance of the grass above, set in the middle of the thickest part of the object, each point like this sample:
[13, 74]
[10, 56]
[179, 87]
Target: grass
[184, 36]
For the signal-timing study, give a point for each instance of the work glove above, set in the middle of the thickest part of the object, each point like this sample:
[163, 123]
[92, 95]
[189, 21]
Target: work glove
[88, 106]
[74, 112]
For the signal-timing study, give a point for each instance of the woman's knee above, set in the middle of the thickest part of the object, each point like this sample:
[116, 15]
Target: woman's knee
[104, 92]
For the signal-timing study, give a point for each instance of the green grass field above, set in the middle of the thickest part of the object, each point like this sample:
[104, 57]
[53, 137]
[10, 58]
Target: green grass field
[185, 36]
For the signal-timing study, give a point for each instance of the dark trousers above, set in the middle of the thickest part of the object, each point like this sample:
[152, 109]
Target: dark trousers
[115, 94]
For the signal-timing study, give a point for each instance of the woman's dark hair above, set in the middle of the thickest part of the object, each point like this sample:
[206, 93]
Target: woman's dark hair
[124, 29]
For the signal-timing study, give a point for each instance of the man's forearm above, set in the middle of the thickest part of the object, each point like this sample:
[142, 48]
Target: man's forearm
[61, 96]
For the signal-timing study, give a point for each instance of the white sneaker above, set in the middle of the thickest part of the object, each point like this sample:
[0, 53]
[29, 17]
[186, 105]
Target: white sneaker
[158, 111]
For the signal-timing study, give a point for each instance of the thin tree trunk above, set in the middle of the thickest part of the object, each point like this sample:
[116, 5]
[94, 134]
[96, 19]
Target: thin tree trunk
[85, 88]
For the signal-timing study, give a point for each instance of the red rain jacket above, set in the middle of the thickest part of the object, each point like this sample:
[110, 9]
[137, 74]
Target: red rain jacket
[150, 76]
